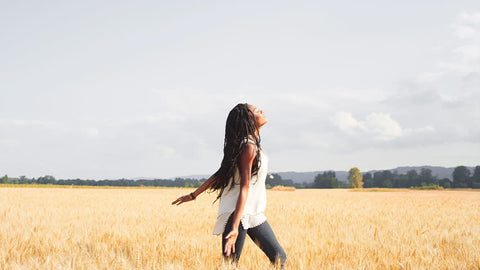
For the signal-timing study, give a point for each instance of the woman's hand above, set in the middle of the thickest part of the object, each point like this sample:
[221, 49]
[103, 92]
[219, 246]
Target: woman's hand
[230, 245]
[183, 199]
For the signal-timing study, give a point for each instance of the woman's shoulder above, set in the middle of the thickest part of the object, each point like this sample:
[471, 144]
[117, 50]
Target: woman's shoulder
[249, 150]
[248, 141]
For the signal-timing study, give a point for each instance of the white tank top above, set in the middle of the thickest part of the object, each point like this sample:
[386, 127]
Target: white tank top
[252, 215]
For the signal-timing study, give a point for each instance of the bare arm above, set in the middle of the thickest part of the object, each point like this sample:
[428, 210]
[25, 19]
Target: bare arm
[246, 159]
[208, 184]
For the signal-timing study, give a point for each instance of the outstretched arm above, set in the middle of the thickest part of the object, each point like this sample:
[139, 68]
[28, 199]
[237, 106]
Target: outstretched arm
[208, 184]
[246, 159]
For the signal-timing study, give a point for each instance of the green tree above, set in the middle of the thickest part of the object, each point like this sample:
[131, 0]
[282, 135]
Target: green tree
[367, 180]
[47, 179]
[427, 177]
[274, 180]
[355, 178]
[326, 180]
[445, 182]
[413, 178]
[461, 176]
[382, 179]
[4, 179]
[388, 183]
[476, 177]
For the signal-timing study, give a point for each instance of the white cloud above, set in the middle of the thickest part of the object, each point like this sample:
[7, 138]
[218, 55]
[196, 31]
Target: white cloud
[427, 77]
[164, 117]
[8, 143]
[165, 150]
[466, 54]
[375, 127]
[467, 25]
[348, 124]
[379, 126]
[28, 123]
[383, 126]
[91, 132]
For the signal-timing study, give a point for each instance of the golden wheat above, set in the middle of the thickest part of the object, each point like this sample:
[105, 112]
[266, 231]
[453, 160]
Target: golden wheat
[50, 228]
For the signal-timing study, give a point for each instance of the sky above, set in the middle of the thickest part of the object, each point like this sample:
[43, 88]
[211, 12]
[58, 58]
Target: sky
[127, 89]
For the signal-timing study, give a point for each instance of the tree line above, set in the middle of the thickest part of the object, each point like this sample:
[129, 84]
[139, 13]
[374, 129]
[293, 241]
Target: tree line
[462, 177]
[50, 180]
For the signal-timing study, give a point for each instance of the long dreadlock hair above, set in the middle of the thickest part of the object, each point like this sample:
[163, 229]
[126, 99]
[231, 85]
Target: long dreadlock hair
[240, 125]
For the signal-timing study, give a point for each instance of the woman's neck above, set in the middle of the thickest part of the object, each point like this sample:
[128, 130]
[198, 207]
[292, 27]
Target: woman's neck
[257, 132]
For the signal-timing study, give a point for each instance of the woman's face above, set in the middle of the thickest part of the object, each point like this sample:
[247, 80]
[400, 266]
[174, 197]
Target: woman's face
[260, 119]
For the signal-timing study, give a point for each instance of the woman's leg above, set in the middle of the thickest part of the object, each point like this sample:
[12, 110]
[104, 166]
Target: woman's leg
[242, 233]
[264, 237]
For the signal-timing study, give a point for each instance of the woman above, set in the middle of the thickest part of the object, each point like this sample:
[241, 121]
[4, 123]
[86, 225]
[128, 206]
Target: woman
[240, 183]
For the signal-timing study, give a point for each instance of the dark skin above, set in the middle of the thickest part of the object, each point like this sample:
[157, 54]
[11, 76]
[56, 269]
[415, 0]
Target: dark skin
[208, 184]
[246, 159]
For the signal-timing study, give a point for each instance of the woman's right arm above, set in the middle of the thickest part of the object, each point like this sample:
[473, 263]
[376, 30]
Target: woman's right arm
[208, 184]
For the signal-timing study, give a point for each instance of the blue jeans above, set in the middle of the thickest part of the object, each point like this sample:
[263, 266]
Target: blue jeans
[262, 235]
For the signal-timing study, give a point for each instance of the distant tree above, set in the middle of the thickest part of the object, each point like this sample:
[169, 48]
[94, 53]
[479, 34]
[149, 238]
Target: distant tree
[413, 178]
[387, 183]
[427, 177]
[4, 179]
[396, 179]
[23, 179]
[274, 180]
[367, 180]
[355, 178]
[326, 180]
[445, 182]
[400, 180]
[383, 179]
[377, 179]
[47, 179]
[461, 176]
[476, 177]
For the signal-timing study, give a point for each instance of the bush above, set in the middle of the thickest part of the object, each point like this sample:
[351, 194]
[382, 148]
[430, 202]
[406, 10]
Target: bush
[283, 188]
[429, 187]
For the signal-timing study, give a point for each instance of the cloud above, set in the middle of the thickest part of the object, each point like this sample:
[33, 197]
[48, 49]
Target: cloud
[91, 132]
[8, 143]
[426, 77]
[383, 126]
[467, 25]
[8, 123]
[378, 131]
[347, 123]
[442, 102]
[379, 126]
[466, 54]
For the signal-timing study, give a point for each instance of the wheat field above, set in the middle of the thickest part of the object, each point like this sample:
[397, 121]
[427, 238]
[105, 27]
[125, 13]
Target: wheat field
[137, 228]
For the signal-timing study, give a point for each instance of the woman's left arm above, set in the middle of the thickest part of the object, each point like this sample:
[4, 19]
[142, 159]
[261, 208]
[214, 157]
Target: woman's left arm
[246, 159]
[208, 184]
